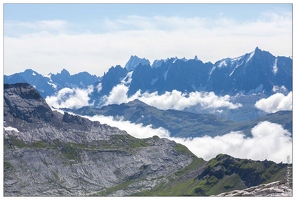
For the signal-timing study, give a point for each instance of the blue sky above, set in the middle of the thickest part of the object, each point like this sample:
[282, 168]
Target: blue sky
[85, 12]
[94, 37]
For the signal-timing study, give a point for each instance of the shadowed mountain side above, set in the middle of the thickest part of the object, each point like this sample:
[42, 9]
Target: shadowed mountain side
[179, 123]
[183, 124]
[50, 84]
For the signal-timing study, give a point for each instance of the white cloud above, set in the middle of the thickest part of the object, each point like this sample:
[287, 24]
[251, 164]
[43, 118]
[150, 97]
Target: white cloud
[76, 98]
[49, 46]
[117, 95]
[269, 140]
[274, 103]
[99, 87]
[171, 100]
[70, 98]
[136, 130]
[179, 101]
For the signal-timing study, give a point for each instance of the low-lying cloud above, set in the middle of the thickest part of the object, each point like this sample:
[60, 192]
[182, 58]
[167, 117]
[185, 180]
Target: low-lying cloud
[171, 100]
[70, 98]
[269, 140]
[76, 98]
[136, 130]
[275, 103]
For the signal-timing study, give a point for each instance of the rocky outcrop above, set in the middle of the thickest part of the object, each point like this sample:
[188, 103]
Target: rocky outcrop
[23, 102]
[223, 174]
[274, 189]
[50, 154]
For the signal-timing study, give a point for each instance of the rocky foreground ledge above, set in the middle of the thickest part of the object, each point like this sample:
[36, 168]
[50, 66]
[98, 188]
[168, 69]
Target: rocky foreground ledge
[274, 189]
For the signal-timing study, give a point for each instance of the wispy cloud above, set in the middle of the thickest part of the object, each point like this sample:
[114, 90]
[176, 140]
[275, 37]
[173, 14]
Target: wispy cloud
[269, 140]
[49, 46]
[21, 29]
[275, 103]
[70, 98]
[171, 100]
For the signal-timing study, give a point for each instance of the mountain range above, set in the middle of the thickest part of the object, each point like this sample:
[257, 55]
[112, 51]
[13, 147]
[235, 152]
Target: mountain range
[255, 72]
[244, 79]
[181, 123]
[47, 153]
[50, 84]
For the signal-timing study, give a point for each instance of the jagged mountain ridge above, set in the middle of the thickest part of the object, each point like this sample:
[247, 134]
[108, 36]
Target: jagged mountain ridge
[180, 123]
[47, 153]
[49, 84]
[255, 72]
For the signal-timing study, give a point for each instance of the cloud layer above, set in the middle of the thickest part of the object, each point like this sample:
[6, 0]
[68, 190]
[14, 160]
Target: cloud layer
[77, 98]
[275, 103]
[171, 100]
[136, 130]
[49, 46]
[269, 140]
[70, 98]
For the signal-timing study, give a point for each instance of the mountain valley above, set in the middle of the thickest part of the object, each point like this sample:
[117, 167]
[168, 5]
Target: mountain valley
[47, 153]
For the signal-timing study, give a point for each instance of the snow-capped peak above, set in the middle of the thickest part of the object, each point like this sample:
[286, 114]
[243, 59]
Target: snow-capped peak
[134, 61]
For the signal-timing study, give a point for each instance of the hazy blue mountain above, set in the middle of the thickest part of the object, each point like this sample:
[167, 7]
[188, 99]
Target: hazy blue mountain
[246, 79]
[49, 84]
[15, 78]
[253, 73]
[113, 77]
[40, 82]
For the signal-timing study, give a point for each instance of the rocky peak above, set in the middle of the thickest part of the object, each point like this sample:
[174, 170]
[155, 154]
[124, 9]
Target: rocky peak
[65, 73]
[23, 101]
[134, 61]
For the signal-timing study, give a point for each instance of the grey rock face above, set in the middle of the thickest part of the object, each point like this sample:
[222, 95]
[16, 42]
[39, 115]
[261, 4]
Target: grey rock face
[50, 154]
[274, 189]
